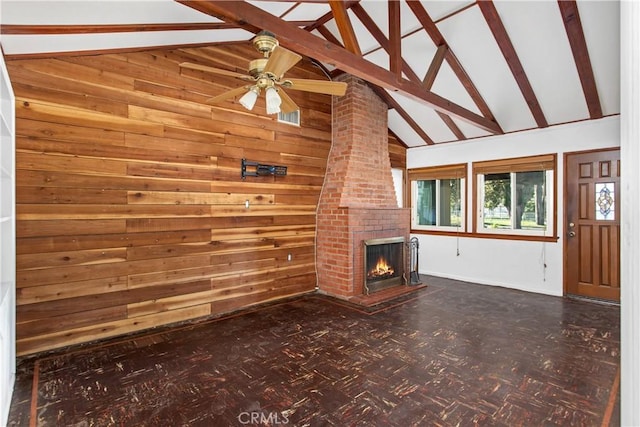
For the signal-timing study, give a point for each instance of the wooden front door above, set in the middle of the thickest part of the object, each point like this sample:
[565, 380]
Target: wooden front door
[592, 224]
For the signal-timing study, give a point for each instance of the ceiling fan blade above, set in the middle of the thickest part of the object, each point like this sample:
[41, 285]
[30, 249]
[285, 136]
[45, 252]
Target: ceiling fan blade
[213, 70]
[317, 86]
[287, 106]
[280, 61]
[228, 94]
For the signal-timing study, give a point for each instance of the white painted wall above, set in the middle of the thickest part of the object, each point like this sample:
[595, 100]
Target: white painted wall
[630, 216]
[398, 184]
[510, 263]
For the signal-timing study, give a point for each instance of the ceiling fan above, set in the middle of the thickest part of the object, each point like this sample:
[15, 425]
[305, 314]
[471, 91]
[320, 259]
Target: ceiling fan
[267, 74]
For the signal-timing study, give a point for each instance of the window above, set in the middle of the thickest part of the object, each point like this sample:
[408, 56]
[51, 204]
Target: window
[437, 198]
[292, 118]
[606, 201]
[516, 196]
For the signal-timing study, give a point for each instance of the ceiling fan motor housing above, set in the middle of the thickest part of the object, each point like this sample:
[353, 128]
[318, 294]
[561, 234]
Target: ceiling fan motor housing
[257, 66]
[265, 42]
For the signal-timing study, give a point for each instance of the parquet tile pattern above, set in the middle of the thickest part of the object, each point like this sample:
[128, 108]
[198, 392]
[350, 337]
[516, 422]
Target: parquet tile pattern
[450, 354]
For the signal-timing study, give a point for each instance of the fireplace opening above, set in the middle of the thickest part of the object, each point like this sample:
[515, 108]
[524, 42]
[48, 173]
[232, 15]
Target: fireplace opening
[384, 261]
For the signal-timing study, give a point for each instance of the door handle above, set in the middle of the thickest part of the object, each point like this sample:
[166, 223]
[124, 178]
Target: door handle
[572, 234]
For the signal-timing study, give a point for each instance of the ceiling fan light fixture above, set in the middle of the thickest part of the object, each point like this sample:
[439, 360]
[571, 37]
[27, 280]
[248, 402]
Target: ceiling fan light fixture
[266, 75]
[248, 100]
[273, 100]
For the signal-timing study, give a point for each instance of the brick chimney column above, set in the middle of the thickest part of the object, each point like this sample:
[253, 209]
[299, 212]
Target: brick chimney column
[358, 193]
[359, 170]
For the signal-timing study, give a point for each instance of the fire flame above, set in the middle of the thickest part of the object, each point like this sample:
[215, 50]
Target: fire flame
[381, 268]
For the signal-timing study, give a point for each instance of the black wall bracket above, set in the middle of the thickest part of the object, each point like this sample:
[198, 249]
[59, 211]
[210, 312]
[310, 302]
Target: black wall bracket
[259, 169]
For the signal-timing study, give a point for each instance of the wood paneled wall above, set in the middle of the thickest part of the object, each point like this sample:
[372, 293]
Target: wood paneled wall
[130, 205]
[397, 153]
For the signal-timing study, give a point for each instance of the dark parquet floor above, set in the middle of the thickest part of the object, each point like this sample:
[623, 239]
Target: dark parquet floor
[449, 354]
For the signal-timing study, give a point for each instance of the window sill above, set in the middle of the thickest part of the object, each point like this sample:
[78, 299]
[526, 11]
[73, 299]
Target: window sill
[488, 235]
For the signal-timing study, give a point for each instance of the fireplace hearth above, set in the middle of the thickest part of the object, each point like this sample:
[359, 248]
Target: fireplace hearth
[384, 261]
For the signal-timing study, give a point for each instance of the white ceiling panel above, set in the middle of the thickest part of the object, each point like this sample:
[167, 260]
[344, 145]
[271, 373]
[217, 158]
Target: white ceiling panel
[424, 49]
[99, 12]
[408, 19]
[308, 12]
[379, 12]
[535, 28]
[276, 8]
[379, 57]
[471, 39]
[440, 9]
[366, 41]
[449, 86]
[24, 44]
[546, 58]
[604, 49]
[447, 83]
[398, 126]
[425, 117]
[469, 130]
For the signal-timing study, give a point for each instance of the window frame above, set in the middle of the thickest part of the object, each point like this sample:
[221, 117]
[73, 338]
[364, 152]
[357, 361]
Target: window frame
[438, 173]
[547, 163]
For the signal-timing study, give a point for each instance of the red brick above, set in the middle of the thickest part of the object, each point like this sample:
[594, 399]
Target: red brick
[358, 201]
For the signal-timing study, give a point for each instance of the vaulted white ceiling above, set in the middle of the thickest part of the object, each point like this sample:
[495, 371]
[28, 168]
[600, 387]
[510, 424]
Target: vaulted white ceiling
[450, 70]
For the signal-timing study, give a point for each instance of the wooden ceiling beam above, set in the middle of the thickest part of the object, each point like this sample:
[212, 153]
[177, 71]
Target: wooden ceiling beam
[575, 33]
[111, 28]
[377, 33]
[395, 38]
[327, 34]
[436, 63]
[329, 16]
[510, 55]
[453, 127]
[403, 113]
[315, 47]
[438, 39]
[345, 28]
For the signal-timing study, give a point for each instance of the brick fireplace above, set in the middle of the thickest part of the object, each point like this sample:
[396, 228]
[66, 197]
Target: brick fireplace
[358, 201]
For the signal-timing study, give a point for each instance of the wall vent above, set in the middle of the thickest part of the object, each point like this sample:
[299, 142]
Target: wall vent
[293, 118]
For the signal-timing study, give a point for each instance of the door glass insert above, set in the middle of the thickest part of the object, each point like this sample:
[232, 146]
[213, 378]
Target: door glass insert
[605, 201]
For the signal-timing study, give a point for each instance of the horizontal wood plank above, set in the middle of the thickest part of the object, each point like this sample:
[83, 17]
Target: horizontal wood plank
[131, 208]
[65, 337]
[70, 241]
[56, 291]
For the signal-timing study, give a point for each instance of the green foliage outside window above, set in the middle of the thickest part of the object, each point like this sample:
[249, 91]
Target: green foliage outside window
[526, 212]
